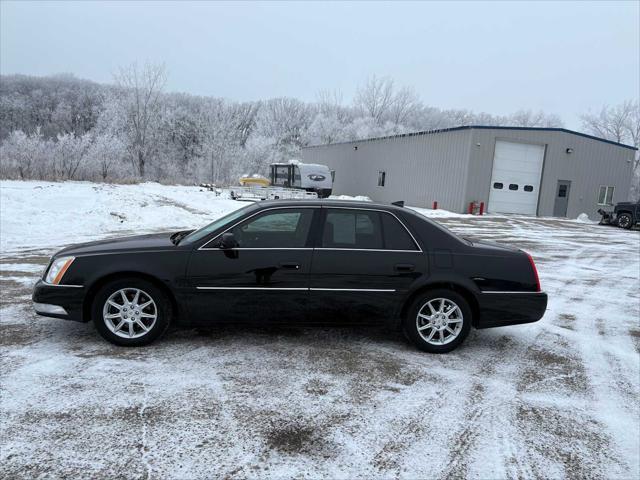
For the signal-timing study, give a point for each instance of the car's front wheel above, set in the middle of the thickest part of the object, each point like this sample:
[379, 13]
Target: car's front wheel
[625, 220]
[438, 321]
[131, 312]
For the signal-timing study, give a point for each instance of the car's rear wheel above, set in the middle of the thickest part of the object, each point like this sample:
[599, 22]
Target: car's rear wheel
[131, 312]
[438, 321]
[625, 220]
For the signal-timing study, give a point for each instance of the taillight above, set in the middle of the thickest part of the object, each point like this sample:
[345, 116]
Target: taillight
[535, 272]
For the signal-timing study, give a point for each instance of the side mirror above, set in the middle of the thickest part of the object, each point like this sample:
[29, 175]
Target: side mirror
[228, 241]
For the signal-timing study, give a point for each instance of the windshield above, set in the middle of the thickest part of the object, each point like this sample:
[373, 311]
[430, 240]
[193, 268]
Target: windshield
[212, 227]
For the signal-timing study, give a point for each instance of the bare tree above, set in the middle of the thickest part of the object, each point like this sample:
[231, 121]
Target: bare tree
[375, 98]
[406, 103]
[140, 91]
[529, 118]
[620, 123]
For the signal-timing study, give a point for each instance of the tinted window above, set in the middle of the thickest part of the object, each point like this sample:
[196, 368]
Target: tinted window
[528, 188]
[352, 229]
[396, 236]
[497, 186]
[275, 229]
[513, 186]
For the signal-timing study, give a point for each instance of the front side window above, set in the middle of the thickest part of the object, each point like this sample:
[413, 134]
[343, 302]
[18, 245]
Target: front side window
[605, 195]
[282, 228]
[212, 227]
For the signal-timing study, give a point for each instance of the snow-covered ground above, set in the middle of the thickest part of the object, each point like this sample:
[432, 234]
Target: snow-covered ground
[558, 398]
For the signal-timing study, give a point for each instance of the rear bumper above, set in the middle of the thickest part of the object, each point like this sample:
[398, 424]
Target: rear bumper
[499, 309]
[69, 300]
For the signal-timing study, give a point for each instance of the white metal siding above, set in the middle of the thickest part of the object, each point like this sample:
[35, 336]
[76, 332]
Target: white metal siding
[517, 167]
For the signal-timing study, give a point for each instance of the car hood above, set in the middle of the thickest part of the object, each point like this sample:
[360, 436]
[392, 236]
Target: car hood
[155, 241]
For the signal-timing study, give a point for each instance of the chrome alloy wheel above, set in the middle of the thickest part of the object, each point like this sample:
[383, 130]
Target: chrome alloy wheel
[439, 321]
[130, 313]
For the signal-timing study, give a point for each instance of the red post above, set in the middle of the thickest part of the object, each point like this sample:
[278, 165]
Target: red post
[435, 205]
[470, 208]
[481, 208]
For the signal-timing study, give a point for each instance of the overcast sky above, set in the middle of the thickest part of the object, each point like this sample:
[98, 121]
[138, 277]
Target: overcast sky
[564, 58]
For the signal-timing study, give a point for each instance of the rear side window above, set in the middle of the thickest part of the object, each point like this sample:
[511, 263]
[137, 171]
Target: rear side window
[396, 236]
[365, 230]
[352, 229]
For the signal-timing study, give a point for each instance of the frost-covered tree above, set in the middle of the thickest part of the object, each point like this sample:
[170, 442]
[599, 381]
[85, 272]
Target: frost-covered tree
[139, 94]
[620, 123]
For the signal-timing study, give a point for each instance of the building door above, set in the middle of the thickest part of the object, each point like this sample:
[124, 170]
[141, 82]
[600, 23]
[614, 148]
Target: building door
[515, 178]
[562, 198]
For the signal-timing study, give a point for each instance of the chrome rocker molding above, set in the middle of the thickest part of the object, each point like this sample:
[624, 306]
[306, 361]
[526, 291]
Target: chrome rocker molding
[313, 289]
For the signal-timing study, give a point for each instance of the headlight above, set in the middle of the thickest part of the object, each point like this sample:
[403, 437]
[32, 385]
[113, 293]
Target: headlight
[58, 269]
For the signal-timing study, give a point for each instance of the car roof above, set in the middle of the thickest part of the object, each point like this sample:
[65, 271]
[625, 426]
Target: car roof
[326, 203]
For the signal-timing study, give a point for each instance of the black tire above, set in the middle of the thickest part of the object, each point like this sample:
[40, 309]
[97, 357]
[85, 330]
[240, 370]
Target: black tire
[410, 322]
[161, 307]
[625, 221]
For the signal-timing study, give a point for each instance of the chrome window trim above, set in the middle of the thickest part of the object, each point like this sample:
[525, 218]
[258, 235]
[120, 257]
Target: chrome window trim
[419, 249]
[369, 250]
[203, 247]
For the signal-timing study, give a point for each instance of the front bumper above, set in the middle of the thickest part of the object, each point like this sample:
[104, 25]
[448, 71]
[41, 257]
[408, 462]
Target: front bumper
[69, 298]
[499, 309]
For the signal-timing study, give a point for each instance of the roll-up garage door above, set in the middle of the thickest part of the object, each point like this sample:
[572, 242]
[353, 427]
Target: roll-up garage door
[515, 179]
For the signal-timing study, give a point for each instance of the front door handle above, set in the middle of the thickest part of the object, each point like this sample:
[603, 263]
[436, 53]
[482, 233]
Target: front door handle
[290, 265]
[405, 267]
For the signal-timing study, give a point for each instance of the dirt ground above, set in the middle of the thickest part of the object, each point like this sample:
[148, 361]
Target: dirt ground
[554, 399]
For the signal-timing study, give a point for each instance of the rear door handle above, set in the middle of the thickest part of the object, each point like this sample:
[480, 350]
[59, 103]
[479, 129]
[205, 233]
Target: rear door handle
[290, 265]
[405, 267]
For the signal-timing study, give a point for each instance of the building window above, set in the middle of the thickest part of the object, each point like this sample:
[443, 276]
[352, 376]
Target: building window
[605, 195]
[333, 175]
[381, 178]
[528, 188]
[498, 186]
[513, 186]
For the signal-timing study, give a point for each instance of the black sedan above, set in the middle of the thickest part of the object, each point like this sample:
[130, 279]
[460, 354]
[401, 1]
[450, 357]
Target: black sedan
[301, 262]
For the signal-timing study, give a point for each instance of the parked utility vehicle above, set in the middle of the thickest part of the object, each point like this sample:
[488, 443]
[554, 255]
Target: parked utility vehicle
[624, 215]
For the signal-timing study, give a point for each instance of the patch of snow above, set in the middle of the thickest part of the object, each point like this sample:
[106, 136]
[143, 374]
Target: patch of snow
[357, 198]
[584, 218]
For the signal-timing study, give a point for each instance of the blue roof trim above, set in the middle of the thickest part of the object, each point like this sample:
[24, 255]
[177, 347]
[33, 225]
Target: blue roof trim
[481, 127]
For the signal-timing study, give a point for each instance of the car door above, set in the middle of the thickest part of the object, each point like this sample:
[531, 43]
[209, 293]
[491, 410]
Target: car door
[263, 279]
[363, 265]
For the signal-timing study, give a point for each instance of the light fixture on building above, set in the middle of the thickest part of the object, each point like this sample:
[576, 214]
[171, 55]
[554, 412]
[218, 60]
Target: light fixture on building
[569, 150]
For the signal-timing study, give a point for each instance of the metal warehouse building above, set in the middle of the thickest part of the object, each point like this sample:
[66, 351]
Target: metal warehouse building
[533, 171]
